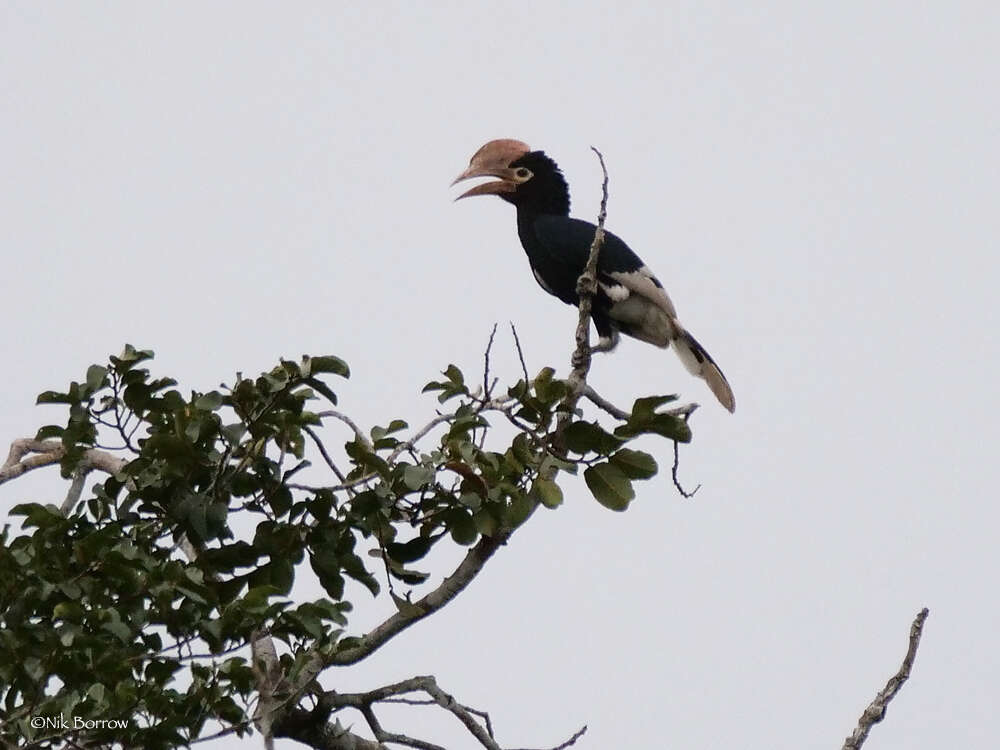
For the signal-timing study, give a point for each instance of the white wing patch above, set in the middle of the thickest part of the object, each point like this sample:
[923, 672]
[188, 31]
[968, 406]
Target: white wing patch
[615, 292]
[643, 283]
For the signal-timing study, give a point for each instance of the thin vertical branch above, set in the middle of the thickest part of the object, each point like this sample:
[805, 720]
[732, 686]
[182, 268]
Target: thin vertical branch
[75, 490]
[486, 365]
[520, 353]
[586, 287]
[876, 709]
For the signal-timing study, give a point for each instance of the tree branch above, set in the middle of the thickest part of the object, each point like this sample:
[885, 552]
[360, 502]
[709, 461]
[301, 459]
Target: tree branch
[363, 702]
[520, 353]
[571, 741]
[362, 438]
[877, 708]
[49, 452]
[450, 587]
[487, 388]
[75, 490]
[300, 724]
[586, 286]
[602, 403]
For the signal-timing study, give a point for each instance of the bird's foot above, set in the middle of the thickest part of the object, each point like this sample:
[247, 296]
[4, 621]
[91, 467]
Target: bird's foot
[601, 347]
[605, 343]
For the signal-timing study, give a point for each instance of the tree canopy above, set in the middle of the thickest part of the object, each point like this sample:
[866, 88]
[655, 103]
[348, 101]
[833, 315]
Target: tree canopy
[164, 598]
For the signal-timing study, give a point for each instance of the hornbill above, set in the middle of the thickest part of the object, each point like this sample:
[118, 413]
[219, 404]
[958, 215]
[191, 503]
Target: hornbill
[629, 298]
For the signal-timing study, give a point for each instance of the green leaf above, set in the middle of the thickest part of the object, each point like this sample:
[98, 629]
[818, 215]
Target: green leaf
[49, 431]
[544, 376]
[209, 401]
[521, 507]
[454, 375]
[279, 573]
[547, 492]
[462, 527]
[328, 610]
[416, 477]
[233, 433]
[54, 397]
[548, 390]
[584, 437]
[378, 433]
[228, 557]
[410, 577]
[323, 388]
[257, 596]
[644, 419]
[609, 485]
[326, 567]
[486, 523]
[328, 363]
[666, 425]
[131, 356]
[644, 408]
[96, 377]
[160, 670]
[38, 515]
[635, 464]
[410, 551]
[116, 627]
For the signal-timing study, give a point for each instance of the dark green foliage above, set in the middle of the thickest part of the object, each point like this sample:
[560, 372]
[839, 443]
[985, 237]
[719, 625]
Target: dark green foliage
[103, 616]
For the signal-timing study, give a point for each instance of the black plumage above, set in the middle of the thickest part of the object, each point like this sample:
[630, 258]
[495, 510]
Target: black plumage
[629, 298]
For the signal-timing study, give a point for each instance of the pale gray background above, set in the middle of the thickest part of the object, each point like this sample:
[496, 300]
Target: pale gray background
[817, 187]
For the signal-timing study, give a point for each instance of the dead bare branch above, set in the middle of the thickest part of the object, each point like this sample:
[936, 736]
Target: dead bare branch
[28, 454]
[877, 708]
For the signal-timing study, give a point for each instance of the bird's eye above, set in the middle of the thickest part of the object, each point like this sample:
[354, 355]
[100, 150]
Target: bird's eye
[522, 174]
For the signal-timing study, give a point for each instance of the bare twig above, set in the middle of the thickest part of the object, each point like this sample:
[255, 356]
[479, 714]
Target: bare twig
[503, 405]
[362, 438]
[462, 713]
[363, 702]
[486, 364]
[673, 472]
[395, 737]
[520, 352]
[572, 740]
[594, 397]
[877, 708]
[326, 456]
[684, 412]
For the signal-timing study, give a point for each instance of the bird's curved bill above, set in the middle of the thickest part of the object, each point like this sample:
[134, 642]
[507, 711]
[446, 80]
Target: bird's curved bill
[487, 188]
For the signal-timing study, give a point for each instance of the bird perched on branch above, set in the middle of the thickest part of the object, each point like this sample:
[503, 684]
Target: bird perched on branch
[629, 298]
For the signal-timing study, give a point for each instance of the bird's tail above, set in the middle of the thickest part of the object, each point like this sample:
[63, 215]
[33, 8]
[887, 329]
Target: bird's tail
[698, 362]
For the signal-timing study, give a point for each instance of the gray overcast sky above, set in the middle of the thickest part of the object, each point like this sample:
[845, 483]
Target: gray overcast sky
[816, 185]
